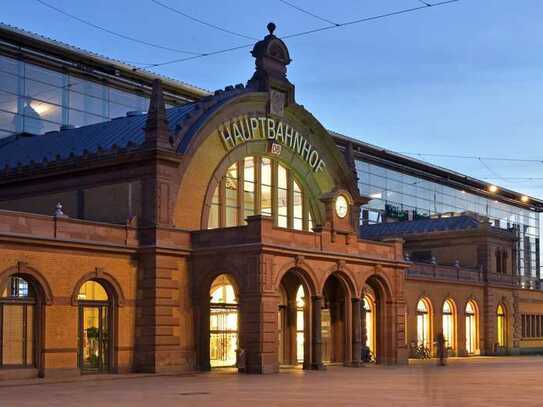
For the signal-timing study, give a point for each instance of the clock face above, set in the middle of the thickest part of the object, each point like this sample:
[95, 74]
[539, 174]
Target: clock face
[342, 206]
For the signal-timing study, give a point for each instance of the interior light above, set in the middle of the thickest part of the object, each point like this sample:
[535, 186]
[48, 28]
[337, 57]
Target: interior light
[493, 188]
[376, 195]
[524, 198]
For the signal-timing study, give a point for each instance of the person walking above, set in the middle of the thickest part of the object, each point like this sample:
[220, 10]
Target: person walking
[441, 349]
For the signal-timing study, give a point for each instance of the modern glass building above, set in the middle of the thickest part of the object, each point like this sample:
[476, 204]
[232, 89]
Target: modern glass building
[45, 85]
[402, 188]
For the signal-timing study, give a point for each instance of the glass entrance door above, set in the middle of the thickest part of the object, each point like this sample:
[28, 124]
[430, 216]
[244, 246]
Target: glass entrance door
[94, 338]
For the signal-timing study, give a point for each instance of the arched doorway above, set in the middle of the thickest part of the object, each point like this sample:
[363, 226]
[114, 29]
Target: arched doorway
[501, 326]
[333, 320]
[370, 321]
[18, 322]
[294, 320]
[471, 328]
[223, 323]
[424, 324]
[95, 332]
[449, 324]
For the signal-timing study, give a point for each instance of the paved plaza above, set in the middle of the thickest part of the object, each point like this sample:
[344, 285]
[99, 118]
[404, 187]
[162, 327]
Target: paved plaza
[464, 382]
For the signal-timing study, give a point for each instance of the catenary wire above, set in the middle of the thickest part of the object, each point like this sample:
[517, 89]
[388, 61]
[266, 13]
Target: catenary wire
[472, 157]
[294, 6]
[216, 27]
[117, 34]
[299, 34]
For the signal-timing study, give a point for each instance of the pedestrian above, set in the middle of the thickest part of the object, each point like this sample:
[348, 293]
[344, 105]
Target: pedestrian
[441, 349]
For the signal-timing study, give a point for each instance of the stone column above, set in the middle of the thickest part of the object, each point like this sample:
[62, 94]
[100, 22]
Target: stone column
[357, 327]
[316, 340]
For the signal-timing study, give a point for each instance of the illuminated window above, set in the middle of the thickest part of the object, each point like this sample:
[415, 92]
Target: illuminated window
[92, 291]
[223, 323]
[267, 188]
[300, 304]
[448, 324]
[471, 328]
[369, 308]
[17, 305]
[501, 326]
[423, 323]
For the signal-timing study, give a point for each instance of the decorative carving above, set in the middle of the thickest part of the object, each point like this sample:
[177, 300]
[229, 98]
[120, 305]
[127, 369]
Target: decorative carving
[277, 102]
[299, 260]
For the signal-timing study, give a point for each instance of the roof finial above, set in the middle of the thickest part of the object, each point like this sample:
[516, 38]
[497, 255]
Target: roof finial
[271, 28]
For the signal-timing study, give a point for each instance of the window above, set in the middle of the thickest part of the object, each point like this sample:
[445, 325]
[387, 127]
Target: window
[448, 323]
[471, 328]
[423, 323]
[501, 326]
[17, 324]
[259, 185]
[532, 326]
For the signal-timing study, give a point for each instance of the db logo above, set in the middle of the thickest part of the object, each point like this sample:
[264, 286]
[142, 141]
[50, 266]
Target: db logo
[275, 149]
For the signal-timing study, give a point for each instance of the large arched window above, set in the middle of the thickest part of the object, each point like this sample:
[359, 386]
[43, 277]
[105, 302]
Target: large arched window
[17, 323]
[423, 323]
[259, 185]
[471, 328]
[223, 323]
[501, 335]
[95, 324]
[448, 324]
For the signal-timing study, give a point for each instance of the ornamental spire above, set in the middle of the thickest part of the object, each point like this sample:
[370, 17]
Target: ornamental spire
[157, 132]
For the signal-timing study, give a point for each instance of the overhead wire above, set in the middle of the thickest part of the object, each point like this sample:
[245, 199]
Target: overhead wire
[473, 157]
[294, 6]
[197, 20]
[300, 34]
[115, 33]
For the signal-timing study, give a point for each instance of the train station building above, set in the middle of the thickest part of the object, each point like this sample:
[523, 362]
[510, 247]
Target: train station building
[233, 229]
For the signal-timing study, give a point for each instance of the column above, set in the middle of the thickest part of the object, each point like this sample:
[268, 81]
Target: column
[316, 340]
[357, 327]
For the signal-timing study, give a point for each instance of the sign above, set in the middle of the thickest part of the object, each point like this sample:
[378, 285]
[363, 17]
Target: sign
[246, 128]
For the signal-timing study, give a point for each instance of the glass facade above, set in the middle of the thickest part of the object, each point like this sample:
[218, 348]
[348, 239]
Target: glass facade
[35, 99]
[403, 197]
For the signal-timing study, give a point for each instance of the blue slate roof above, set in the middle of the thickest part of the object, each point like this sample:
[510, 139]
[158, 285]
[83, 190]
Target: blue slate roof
[399, 229]
[62, 144]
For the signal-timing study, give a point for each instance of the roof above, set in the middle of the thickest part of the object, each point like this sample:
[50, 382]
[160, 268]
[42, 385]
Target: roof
[413, 227]
[23, 149]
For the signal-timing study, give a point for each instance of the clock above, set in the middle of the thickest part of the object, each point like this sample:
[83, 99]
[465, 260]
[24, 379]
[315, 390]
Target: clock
[342, 206]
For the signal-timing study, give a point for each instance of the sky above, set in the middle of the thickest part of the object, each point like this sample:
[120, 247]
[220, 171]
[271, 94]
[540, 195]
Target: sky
[463, 79]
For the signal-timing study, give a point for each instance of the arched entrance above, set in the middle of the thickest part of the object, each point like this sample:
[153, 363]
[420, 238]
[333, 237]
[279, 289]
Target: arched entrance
[294, 321]
[374, 295]
[333, 320]
[18, 322]
[501, 326]
[370, 321]
[471, 328]
[448, 313]
[223, 323]
[95, 331]
[424, 324]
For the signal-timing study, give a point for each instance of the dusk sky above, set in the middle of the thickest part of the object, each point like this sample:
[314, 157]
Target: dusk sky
[460, 79]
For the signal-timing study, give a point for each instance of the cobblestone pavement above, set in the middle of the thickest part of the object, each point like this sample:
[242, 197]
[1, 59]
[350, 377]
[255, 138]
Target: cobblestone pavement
[506, 381]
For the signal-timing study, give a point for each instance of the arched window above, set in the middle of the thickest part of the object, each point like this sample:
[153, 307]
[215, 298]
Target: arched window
[223, 323]
[300, 332]
[369, 308]
[95, 325]
[501, 336]
[259, 185]
[448, 324]
[17, 323]
[423, 323]
[471, 328]
[499, 261]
